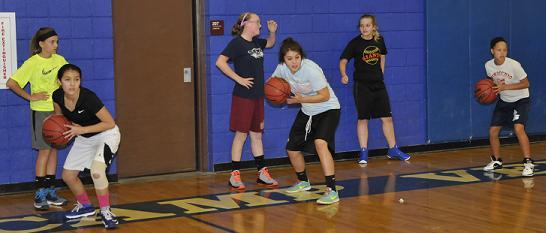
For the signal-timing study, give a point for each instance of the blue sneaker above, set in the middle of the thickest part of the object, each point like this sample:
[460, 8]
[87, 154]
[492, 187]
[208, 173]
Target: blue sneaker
[363, 156]
[40, 201]
[53, 199]
[109, 219]
[397, 153]
[80, 211]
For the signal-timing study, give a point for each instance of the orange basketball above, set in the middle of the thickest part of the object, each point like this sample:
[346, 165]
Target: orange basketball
[53, 129]
[484, 91]
[277, 90]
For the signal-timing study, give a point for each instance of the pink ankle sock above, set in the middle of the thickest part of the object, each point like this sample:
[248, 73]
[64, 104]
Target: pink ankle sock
[104, 200]
[83, 199]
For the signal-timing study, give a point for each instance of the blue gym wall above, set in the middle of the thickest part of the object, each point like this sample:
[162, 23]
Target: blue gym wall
[323, 28]
[85, 32]
[458, 36]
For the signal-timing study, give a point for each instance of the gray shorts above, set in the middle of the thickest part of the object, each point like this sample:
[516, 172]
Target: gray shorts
[36, 121]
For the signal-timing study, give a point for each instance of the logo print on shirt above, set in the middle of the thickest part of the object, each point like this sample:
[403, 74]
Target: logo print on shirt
[371, 55]
[256, 53]
[80, 111]
[516, 115]
[46, 72]
[501, 75]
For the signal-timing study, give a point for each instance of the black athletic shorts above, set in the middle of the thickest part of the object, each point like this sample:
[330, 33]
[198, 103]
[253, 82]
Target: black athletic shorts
[323, 126]
[508, 114]
[372, 101]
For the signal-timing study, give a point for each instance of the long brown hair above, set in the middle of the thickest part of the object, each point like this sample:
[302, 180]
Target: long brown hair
[41, 35]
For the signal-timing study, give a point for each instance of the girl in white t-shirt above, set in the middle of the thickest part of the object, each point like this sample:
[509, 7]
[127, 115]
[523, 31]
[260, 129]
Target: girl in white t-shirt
[314, 128]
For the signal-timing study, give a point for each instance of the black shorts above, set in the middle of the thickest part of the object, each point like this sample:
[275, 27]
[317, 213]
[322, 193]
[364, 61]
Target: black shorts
[372, 101]
[323, 126]
[508, 114]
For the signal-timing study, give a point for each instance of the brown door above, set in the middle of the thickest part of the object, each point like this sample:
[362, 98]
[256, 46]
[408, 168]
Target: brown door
[155, 101]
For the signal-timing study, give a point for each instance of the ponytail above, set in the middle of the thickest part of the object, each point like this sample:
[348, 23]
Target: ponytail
[239, 25]
[41, 35]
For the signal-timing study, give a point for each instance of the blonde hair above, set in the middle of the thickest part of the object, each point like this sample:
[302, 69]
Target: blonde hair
[41, 35]
[376, 35]
[240, 24]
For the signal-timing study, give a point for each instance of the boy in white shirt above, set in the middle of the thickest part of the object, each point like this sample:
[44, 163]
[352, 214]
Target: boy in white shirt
[513, 105]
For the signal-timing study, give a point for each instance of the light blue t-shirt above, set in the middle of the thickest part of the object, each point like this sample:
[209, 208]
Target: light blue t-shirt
[307, 81]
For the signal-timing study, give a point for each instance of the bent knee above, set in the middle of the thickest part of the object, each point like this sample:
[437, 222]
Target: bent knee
[321, 144]
[494, 131]
[519, 129]
[96, 175]
[68, 177]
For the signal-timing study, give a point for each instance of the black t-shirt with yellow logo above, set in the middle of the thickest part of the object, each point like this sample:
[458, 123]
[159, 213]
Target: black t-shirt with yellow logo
[367, 55]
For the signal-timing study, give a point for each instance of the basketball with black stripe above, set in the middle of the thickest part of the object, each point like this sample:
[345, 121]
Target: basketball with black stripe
[53, 129]
[484, 92]
[277, 90]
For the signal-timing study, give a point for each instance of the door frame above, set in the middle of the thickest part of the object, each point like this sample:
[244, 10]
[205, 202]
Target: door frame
[200, 77]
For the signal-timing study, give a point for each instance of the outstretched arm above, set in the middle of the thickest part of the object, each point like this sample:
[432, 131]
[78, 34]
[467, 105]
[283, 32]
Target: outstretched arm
[272, 27]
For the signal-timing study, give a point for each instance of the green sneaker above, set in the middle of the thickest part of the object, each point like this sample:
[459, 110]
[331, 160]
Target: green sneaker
[329, 197]
[299, 187]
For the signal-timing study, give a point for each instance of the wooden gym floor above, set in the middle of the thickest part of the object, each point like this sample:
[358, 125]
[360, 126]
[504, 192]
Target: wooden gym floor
[443, 191]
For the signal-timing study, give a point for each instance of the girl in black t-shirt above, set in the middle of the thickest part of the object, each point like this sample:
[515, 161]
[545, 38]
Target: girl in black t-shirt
[97, 139]
[371, 98]
[245, 50]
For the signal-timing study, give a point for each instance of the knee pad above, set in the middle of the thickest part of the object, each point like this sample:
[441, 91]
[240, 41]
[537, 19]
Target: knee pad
[98, 174]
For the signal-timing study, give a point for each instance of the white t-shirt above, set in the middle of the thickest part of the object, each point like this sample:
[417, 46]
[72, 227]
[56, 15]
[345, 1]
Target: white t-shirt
[307, 81]
[509, 72]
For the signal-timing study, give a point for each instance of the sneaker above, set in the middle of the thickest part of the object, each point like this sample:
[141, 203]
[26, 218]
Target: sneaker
[235, 181]
[299, 187]
[80, 211]
[329, 197]
[397, 153]
[264, 178]
[494, 164]
[528, 168]
[109, 219]
[363, 156]
[53, 199]
[40, 201]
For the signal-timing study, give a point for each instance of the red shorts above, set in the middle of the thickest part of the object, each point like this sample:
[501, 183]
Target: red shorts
[246, 114]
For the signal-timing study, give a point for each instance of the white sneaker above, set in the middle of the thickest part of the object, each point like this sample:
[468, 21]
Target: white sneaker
[528, 169]
[494, 164]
